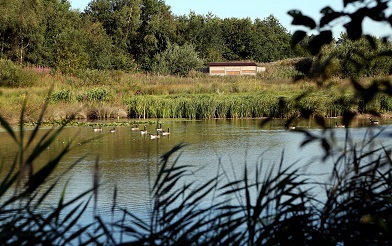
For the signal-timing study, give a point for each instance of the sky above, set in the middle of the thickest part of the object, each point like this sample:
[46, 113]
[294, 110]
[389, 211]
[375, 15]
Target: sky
[261, 9]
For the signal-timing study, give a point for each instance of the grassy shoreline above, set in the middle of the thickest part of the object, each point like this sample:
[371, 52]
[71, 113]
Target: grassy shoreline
[99, 95]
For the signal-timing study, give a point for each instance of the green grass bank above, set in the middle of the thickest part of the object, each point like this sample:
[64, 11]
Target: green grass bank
[92, 95]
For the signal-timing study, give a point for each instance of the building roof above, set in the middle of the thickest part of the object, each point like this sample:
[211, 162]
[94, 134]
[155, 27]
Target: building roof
[228, 64]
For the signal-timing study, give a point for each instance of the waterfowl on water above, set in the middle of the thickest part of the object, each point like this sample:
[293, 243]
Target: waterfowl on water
[339, 125]
[98, 129]
[135, 128]
[144, 131]
[373, 122]
[159, 129]
[291, 127]
[166, 133]
[152, 136]
[113, 130]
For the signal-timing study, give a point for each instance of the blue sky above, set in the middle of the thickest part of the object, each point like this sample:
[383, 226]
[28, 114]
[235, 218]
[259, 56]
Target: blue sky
[259, 9]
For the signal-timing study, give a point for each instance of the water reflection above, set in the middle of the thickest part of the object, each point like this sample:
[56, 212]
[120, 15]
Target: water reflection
[130, 160]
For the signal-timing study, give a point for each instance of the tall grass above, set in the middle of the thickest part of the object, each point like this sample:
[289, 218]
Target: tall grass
[96, 93]
[255, 105]
[277, 206]
[24, 218]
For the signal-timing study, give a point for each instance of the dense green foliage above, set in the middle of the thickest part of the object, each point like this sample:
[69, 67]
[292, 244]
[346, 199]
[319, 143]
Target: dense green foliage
[144, 34]
[131, 34]
[178, 60]
[355, 54]
[249, 105]
[280, 206]
[12, 75]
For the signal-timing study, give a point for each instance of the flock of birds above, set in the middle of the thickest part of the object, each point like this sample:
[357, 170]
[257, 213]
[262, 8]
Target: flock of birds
[159, 131]
[372, 123]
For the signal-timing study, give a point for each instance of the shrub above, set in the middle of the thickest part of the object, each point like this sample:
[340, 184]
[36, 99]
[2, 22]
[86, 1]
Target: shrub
[64, 95]
[12, 75]
[94, 77]
[304, 65]
[364, 57]
[178, 60]
[94, 95]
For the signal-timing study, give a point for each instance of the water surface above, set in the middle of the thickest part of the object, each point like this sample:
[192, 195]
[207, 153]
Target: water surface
[130, 160]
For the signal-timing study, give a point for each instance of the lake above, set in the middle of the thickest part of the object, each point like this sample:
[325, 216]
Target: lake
[130, 160]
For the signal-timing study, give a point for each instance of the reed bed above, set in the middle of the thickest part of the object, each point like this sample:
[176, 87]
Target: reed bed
[258, 105]
[280, 205]
[116, 94]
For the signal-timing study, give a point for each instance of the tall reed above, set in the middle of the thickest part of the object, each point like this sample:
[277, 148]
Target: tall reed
[207, 106]
[278, 206]
[26, 186]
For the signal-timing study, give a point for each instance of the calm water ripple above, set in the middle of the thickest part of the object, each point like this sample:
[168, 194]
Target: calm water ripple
[129, 160]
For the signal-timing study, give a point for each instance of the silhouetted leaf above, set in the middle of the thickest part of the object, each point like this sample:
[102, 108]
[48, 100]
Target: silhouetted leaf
[354, 27]
[265, 121]
[374, 113]
[357, 85]
[371, 41]
[302, 20]
[348, 116]
[326, 146]
[354, 31]
[346, 2]
[8, 128]
[297, 37]
[320, 121]
[288, 122]
[387, 53]
[306, 113]
[329, 15]
[316, 43]
[377, 13]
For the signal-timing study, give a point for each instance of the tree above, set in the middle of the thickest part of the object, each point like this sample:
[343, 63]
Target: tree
[21, 32]
[271, 41]
[99, 46]
[212, 48]
[237, 36]
[71, 51]
[119, 18]
[178, 60]
[157, 29]
[359, 58]
[354, 10]
[57, 18]
[357, 52]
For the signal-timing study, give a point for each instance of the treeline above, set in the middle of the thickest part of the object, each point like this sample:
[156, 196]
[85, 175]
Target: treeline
[145, 35]
[131, 34]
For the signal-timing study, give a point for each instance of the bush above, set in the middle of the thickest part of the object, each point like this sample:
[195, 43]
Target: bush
[94, 95]
[94, 77]
[64, 95]
[304, 65]
[178, 60]
[12, 75]
[364, 57]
